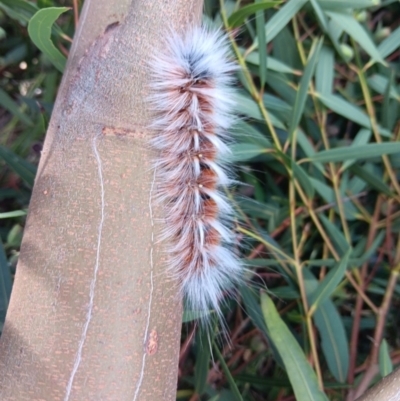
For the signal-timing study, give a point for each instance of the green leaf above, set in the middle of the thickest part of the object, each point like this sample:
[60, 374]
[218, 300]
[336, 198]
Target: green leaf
[190, 315]
[286, 292]
[302, 92]
[253, 309]
[5, 284]
[303, 179]
[245, 151]
[7, 103]
[334, 342]
[14, 56]
[228, 376]
[371, 250]
[362, 138]
[361, 152]
[350, 25]
[385, 362]
[237, 18]
[246, 133]
[390, 44]
[328, 285]
[280, 84]
[39, 29]
[346, 4]
[345, 109]
[299, 173]
[203, 344]
[253, 208]
[275, 104]
[245, 105]
[23, 168]
[320, 14]
[366, 174]
[336, 236]
[273, 63]
[281, 18]
[324, 72]
[301, 375]
[20, 10]
[388, 117]
[304, 141]
[15, 213]
[327, 193]
[262, 45]
[382, 85]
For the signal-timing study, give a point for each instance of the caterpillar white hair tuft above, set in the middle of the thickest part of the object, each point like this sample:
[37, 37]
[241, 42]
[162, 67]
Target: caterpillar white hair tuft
[191, 96]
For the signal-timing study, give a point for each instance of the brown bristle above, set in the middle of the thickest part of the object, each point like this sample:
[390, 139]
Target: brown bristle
[208, 179]
[212, 237]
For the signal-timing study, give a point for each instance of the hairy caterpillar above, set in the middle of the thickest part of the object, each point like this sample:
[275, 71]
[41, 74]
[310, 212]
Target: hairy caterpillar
[191, 95]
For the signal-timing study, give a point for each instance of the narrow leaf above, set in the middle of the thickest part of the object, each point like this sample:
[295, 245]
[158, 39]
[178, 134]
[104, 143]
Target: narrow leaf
[328, 285]
[228, 375]
[345, 109]
[320, 14]
[20, 10]
[390, 44]
[361, 152]
[262, 45]
[15, 213]
[334, 342]
[336, 236]
[253, 309]
[7, 103]
[324, 72]
[281, 18]
[237, 18]
[362, 138]
[302, 92]
[346, 4]
[245, 105]
[245, 151]
[383, 86]
[273, 63]
[23, 168]
[350, 25]
[202, 359]
[385, 362]
[366, 174]
[5, 283]
[39, 29]
[301, 375]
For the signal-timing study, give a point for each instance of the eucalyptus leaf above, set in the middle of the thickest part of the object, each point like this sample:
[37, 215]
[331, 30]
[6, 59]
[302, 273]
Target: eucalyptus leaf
[301, 375]
[40, 28]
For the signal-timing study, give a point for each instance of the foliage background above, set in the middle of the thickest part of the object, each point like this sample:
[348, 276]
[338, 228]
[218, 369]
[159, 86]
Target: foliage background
[318, 150]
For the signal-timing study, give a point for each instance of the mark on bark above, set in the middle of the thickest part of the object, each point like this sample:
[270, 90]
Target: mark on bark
[152, 343]
[111, 26]
[89, 312]
[117, 131]
[146, 332]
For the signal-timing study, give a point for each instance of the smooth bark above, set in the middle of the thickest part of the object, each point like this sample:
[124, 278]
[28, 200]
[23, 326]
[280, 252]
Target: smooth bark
[93, 315]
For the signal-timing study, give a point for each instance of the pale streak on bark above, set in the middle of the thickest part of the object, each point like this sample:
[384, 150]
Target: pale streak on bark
[146, 332]
[78, 357]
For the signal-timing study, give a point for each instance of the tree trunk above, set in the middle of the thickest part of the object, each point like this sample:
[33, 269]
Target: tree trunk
[387, 389]
[93, 315]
